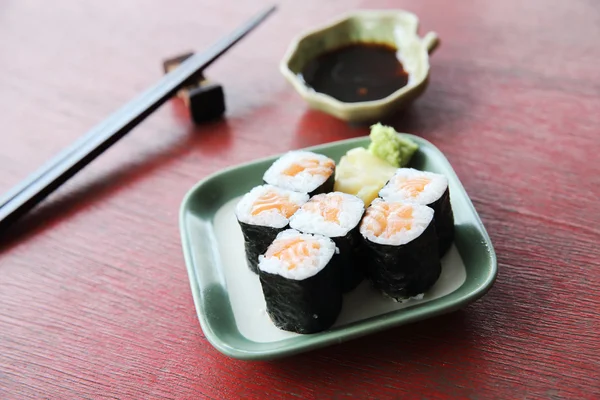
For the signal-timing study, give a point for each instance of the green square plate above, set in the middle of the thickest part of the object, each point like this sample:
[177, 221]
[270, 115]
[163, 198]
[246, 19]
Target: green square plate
[228, 297]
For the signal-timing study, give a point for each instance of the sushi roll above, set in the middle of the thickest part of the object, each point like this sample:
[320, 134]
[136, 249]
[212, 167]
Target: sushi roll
[401, 248]
[302, 171]
[300, 279]
[337, 216]
[409, 185]
[262, 214]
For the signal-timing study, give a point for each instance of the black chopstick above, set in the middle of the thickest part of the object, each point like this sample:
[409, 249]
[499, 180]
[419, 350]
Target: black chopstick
[57, 171]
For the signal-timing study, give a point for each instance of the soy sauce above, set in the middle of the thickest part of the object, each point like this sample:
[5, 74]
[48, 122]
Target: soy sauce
[356, 72]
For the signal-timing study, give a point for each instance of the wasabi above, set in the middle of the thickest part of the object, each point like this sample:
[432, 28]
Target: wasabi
[387, 145]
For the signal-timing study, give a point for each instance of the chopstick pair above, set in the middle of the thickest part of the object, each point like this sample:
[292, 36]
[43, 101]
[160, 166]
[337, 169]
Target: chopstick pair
[62, 167]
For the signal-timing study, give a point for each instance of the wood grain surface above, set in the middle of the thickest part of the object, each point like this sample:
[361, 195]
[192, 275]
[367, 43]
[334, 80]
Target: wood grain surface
[94, 296]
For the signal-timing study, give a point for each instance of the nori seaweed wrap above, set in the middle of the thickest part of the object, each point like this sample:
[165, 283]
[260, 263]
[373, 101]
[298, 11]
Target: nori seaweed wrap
[301, 282]
[262, 214]
[401, 248]
[353, 270]
[429, 189]
[444, 221]
[256, 241]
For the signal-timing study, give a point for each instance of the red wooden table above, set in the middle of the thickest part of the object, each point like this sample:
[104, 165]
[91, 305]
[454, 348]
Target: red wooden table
[94, 296]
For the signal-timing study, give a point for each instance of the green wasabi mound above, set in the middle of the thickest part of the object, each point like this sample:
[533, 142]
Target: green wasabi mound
[387, 145]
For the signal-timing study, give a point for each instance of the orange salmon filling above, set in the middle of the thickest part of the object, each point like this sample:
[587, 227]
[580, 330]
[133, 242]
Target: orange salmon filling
[414, 186]
[314, 167]
[327, 206]
[387, 219]
[293, 250]
[273, 201]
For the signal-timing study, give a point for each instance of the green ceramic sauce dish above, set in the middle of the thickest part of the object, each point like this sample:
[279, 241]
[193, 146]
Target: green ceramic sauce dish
[395, 28]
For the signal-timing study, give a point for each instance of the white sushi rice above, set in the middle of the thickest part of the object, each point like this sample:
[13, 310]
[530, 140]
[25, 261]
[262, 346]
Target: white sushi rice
[273, 218]
[421, 218]
[431, 192]
[301, 182]
[305, 267]
[311, 221]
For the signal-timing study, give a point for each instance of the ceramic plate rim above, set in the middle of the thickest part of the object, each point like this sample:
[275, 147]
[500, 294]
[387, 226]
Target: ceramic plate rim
[354, 330]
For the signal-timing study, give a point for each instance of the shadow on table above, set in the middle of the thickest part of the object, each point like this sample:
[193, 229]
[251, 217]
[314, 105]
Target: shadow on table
[63, 204]
[421, 343]
[316, 127]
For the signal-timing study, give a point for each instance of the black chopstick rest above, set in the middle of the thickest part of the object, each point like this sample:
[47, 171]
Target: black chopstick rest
[205, 99]
[206, 102]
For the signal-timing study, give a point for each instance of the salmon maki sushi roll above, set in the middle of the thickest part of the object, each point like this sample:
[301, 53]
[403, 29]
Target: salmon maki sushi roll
[301, 283]
[401, 248]
[336, 215]
[263, 213]
[409, 185]
[302, 171]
